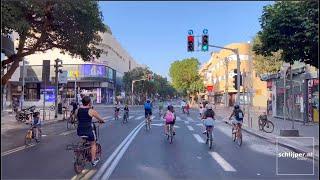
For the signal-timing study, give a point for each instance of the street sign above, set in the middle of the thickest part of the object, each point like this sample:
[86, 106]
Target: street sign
[190, 32]
[63, 77]
[205, 31]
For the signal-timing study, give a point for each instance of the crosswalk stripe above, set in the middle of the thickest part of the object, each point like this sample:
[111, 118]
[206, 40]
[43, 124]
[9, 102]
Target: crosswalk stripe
[178, 118]
[140, 117]
[190, 128]
[222, 162]
[186, 122]
[198, 138]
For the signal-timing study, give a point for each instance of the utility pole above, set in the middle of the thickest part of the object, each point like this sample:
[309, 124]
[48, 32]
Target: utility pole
[250, 84]
[57, 70]
[132, 85]
[23, 84]
[226, 62]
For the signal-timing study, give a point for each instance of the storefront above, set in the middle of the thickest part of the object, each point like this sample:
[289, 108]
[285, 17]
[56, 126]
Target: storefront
[313, 100]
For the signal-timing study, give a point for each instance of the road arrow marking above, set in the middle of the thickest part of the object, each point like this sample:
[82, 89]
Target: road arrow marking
[222, 162]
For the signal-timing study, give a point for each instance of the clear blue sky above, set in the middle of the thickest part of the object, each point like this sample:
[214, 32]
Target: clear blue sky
[155, 33]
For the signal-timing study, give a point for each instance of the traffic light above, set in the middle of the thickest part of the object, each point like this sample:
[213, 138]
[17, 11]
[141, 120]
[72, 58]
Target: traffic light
[205, 43]
[235, 79]
[58, 65]
[190, 43]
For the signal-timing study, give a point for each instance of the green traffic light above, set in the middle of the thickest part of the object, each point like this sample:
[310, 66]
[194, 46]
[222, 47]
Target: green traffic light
[205, 48]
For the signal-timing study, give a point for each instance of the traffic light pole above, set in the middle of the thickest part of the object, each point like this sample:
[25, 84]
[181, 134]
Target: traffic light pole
[236, 51]
[56, 94]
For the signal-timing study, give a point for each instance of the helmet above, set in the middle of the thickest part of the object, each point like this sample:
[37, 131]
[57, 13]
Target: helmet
[208, 106]
[148, 100]
[36, 113]
[236, 106]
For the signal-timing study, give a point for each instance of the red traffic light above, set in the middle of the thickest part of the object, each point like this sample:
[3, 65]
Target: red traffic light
[191, 38]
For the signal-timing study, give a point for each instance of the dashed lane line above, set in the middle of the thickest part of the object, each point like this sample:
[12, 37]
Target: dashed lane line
[198, 138]
[222, 162]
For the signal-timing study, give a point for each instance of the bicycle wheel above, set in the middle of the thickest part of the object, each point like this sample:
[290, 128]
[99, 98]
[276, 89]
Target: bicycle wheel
[210, 139]
[99, 150]
[239, 139]
[260, 124]
[268, 127]
[78, 164]
[171, 134]
[38, 139]
[149, 123]
[28, 137]
[233, 135]
[69, 123]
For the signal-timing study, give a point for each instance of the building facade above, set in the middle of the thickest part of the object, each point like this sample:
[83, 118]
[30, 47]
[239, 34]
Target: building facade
[97, 77]
[218, 74]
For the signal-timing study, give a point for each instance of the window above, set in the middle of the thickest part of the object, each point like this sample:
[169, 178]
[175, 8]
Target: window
[32, 91]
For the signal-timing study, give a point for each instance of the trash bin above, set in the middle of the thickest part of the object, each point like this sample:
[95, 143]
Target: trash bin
[60, 108]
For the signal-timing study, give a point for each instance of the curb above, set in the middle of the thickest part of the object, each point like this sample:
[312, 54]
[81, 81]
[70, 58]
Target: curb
[291, 147]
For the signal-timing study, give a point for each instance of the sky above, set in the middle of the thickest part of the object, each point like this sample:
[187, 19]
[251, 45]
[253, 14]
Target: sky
[155, 33]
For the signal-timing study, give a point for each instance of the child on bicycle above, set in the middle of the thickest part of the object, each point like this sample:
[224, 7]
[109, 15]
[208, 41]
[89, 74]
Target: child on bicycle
[208, 118]
[170, 118]
[36, 124]
[238, 117]
[126, 110]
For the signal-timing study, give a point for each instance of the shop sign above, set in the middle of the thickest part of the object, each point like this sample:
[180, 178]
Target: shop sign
[310, 84]
[210, 88]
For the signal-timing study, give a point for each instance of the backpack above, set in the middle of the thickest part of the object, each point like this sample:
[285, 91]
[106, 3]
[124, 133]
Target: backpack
[169, 117]
[147, 106]
[239, 115]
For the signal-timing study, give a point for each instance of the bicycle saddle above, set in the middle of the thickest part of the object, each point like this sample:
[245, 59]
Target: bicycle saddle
[84, 137]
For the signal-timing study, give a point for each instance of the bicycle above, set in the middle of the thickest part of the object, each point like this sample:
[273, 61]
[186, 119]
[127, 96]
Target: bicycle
[170, 133]
[116, 114]
[82, 151]
[72, 121]
[31, 134]
[125, 117]
[148, 123]
[237, 134]
[265, 124]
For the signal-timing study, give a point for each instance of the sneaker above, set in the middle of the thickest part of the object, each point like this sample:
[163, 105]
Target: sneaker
[174, 133]
[95, 162]
[204, 132]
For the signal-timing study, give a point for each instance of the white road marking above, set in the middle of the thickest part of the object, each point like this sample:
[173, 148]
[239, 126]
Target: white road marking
[190, 119]
[112, 156]
[186, 122]
[130, 117]
[190, 128]
[199, 124]
[222, 162]
[198, 138]
[140, 117]
[119, 156]
[17, 149]
[106, 117]
[178, 118]
[68, 132]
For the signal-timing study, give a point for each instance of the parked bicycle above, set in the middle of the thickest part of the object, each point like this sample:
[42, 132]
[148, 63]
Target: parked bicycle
[32, 135]
[25, 114]
[265, 124]
[82, 151]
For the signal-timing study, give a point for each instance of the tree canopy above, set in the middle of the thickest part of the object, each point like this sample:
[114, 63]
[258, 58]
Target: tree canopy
[266, 64]
[185, 76]
[290, 26]
[71, 26]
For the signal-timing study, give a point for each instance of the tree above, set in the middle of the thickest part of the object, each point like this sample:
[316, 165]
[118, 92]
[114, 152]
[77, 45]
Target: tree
[71, 26]
[266, 64]
[290, 26]
[185, 77]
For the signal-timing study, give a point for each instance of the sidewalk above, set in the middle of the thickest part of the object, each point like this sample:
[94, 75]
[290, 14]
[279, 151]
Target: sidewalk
[9, 122]
[298, 144]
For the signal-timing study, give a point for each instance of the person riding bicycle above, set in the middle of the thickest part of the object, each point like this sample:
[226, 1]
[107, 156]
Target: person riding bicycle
[208, 117]
[238, 117]
[36, 123]
[170, 118]
[116, 108]
[183, 104]
[126, 110]
[85, 125]
[148, 108]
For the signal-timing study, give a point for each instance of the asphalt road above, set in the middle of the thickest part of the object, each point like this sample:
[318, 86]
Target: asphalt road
[131, 152]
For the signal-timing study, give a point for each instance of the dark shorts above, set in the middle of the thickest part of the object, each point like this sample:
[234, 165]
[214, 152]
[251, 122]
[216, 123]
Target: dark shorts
[91, 135]
[147, 112]
[173, 122]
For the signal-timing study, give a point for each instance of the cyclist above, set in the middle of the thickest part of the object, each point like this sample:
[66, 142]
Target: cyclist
[147, 108]
[238, 117]
[116, 109]
[36, 123]
[74, 105]
[160, 107]
[183, 104]
[126, 110]
[170, 118]
[208, 117]
[84, 114]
